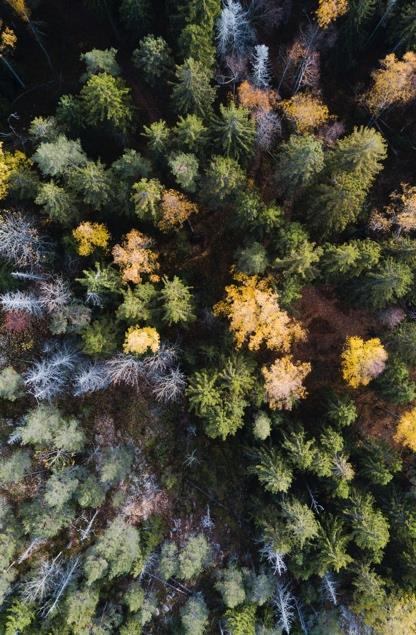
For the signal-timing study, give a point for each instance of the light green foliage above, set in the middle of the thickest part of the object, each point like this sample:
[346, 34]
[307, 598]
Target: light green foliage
[58, 203]
[194, 557]
[14, 467]
[361, 153]
[299, 161]
[191, 133]
[370, 529]
[177, 302]
[101, 61]
[369, 595]
[134, 597]
[153, 58]
[271, 470]
[115, 464]
[11, 384]
[219, 396]
[234, 131]
[299, 261]
[56, 158]
[252, 214]
[114, 553]
[136, 15]
[349, 260]
[106, 99]
[241, 621]
[44, 522]
[253, 259]
[157, 136]
[395, 384]
[184, 168]
[261, 588]
[168, 563]
[300, 525]
[224, 178]
[301, 450]
[192, 91]
[91, 182]
[332, 543]
[261, 426]
[100, 337]
[389, 282]
[69, 113]
[146, 197]
[19, 616]
[61, 487]
[90, 492]
[231, 586]
[45, 426]
[80, 606]
[341, 410]
[43, 129]
[194, 615]
[138, 303]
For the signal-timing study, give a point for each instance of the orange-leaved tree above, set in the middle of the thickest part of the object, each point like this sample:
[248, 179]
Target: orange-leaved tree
[362, 360]
[305, 111]
[284, 382]
[252, 308]
[330, 10]
[136, 256]
[175, 209]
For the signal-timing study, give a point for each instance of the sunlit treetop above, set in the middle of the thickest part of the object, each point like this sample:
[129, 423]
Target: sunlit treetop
[330, 10]
[394, 83]
[141, 340]
[305, 111]
[89, 236]
[362, 360]
[136, 256]
[283, 382]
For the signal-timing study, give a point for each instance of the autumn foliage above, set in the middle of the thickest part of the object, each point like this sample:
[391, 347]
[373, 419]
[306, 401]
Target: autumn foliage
[141, 340]
[255, 317]
[362, 361]
[89, 236]
[254, 98]
[330, 10]
[305, 111]
[176, 208]
[283, 382]
[136, 256]
[394, 83]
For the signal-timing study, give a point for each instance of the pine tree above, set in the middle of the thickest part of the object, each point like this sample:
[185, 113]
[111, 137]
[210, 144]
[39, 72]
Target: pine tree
[154, 58]
[100, 61]
[91, 182]
[332, 542]
[59, 204]
[234, 131]
[194, 615]
[192, 91]
[272, 470]
[370, 529]
[299, 161]
[231, 586]
[390, 281]
[177, 302]
[57, 157]
[107, 99]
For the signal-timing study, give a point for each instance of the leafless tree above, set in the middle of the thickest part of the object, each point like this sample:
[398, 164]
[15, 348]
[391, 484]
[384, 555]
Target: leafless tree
[23, 301]
[170, 387]
[284, 604]
[48, 377]
[125, 369]
[20, 242]
[91, 378]
[54, 294]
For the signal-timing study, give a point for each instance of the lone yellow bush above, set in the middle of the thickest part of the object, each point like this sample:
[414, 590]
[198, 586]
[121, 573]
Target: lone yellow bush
[141, 340]
[362, 361]
[90, 236]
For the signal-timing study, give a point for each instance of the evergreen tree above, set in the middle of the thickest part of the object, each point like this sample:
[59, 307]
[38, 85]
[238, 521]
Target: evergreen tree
[224, 177]
[91, 182]
[271, 470]
[370, 529]
[59, 204]
[191, 133]
[395, 384]
[231, 586]
[192, 91]
[106, 99]
[154, 58]
[194, 616]
[234, 131]
[360, 154]
[299, 161]
[57, 157]
[177, 302]
[391, 281]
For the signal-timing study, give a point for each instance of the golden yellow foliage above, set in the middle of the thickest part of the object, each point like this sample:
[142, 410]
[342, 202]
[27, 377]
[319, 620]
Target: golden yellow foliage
[253, 310]
[8, 40]
[176, 209]
[21, 9]
[283, 382]
[135, 256]
[254, 98]
[4, 173]
[330, 10]
[393, 84]
[362, 360]
[305, 111]
[406, 429]
[89, 236]
[141, 340]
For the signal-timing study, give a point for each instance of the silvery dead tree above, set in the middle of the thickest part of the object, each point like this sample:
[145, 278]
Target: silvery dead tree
[260, 75]
[91, 378]
[54, 294]
[206, 520]
[169, 387]
[33, 546]
[274, 559]
[20, 242]
[284, 604]
[40, 583]
[125, 369]
[330, 588]
[157, 364]
[352, 624]
[47, 378]
[301, 617]
[21, 301]
[268, 128]
[235, 35]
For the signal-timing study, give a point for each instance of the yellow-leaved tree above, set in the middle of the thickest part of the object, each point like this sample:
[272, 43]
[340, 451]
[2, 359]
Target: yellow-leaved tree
[406, 429]
[362, 360]
[284, 382]
[136, 256]
[252, 308]
[394, 83]
[305, 111]
[89, 236]
[4, 173]
[141, 340]
[330, 10]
